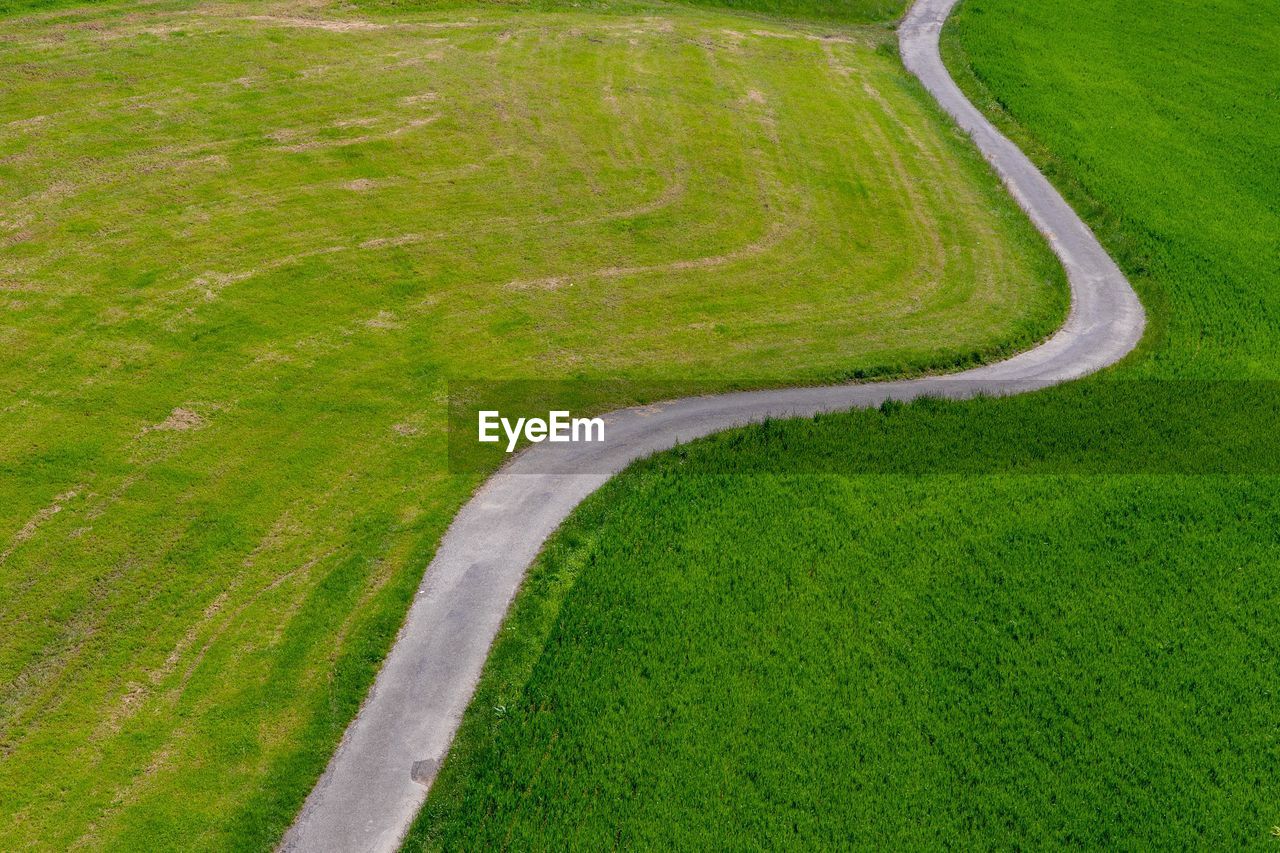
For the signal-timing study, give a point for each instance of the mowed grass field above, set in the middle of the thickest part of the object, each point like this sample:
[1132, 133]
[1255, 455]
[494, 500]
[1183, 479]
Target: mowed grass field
[1049, 621]
[244, 246]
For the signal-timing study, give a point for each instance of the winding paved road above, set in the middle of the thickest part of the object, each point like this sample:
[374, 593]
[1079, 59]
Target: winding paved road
[380, 774]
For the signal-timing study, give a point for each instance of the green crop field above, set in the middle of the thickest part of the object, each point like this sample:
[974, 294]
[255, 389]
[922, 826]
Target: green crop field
[244, 246]
[1050, 621]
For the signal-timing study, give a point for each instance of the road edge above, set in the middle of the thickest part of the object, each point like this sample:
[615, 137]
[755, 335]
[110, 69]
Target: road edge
[382, 770]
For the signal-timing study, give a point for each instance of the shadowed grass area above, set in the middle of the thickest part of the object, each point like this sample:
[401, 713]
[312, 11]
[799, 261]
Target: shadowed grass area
[243, 247]
[1045, 621]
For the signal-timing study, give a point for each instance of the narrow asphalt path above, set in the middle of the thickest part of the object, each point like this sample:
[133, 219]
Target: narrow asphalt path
[379, 776]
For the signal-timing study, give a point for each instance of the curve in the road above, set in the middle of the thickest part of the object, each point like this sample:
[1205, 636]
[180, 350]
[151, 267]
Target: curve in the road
[380, 774]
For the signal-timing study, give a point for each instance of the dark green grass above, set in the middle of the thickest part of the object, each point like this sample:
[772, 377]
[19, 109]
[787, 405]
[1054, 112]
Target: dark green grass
[1161, 122]
[1048, 621]
[1052, 661]
[899, 627]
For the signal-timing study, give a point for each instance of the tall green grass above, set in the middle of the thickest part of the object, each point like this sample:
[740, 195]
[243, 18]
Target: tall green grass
[1050, 621]
[1160, 122]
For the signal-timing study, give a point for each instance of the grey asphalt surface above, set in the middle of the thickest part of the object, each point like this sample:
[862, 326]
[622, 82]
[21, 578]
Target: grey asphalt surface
[380, 774]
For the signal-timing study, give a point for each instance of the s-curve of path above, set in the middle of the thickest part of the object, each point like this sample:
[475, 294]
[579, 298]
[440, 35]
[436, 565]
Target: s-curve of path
[380, 774]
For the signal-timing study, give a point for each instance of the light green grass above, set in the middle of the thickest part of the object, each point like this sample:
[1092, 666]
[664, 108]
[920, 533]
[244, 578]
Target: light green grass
[827, 11]
[833, 11]
[1049, 621]
[239, 259]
